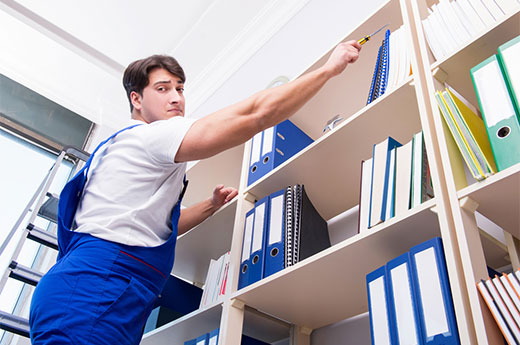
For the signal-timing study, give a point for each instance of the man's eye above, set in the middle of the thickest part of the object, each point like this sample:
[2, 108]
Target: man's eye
[180, 89]
[161, 88]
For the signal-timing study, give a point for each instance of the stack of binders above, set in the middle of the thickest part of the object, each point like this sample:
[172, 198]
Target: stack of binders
[395, 179]
[502, 296]
[273, 146]
[410, 300]
[282, 229]
[392, 65]
[497, 84]
[211, 338]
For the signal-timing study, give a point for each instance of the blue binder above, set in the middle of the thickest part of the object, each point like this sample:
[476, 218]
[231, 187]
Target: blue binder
[279, 143]
[213, 337]
[190, 342]
[275, 241]
[256, 259]
[243, 276]
[433, 294]
[381, 324]
[254, 158]
[402, 303]
[202, 340]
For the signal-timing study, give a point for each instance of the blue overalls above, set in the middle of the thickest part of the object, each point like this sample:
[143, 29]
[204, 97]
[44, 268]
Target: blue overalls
[98, 292]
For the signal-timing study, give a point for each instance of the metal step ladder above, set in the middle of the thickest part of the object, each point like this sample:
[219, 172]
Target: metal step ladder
[46, 206]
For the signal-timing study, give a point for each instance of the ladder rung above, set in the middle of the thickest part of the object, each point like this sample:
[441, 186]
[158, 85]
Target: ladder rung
[24, 274]
[14, 324]
[49, 209]
[41, 236]
[75, 152]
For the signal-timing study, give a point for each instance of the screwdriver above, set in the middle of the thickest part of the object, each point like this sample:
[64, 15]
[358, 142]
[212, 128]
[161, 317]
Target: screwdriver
[368, 37]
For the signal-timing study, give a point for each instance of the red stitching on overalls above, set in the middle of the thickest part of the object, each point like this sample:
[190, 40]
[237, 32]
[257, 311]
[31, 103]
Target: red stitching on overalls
[133, 257]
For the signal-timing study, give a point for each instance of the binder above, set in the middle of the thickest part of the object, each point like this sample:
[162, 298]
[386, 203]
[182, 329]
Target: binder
[254, 158]
[380, 180]
[311, 233]
[433, 294]
[364, 194]
[213, 337]
[402, 304]
[289, 243]
[496, 313]
[384, 66]
[499, 114]
[243, 278]
[256, 260]
[190, 342]
[390, 192]
[375, 76]
[279, 143]
[421, 180]
[275, 241]
[202, 340]
[403, 178]
[509, 55]
[380, 320]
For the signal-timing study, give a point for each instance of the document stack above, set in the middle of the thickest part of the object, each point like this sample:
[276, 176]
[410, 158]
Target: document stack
[502, 296]
[410, 301]
[392, 65]
[395, 179]
[451, 24]
[273, 146]
[468, 132]
[211, 338]
[282, 229]
[216, 280]
[497, 84]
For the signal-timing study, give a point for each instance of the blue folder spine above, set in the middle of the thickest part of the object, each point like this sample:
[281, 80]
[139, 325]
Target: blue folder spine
[256, 260]
[383, 330]
[275, 241]
[243, 277]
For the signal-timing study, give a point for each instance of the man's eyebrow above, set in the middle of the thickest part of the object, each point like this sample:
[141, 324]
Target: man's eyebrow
[162, 82]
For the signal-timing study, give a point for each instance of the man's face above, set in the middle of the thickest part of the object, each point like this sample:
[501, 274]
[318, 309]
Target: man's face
[162, 98]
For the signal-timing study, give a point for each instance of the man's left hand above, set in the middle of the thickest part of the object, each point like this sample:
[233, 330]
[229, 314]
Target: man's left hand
[222, 195]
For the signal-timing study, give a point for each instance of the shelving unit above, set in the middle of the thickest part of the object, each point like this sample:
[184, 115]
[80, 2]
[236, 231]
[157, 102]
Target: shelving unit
[330, 286]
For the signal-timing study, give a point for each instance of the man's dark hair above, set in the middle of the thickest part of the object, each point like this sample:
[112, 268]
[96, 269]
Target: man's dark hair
[136, 74]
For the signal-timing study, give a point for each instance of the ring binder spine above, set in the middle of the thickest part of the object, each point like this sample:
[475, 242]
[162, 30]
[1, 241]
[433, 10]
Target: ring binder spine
[288, 227]
[297, 222]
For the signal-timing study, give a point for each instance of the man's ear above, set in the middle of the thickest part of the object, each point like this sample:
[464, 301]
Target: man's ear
[136, 100]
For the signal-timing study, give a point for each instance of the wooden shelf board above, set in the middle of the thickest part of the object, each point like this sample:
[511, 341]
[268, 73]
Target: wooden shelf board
[185, 328]
[331, 285]
[209, 240]
[330, 168]
[498, 197]
[204, 175]
[458, 64]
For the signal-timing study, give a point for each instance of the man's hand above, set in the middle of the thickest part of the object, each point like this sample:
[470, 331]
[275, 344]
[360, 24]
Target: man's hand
[222, 195]
[343, 54]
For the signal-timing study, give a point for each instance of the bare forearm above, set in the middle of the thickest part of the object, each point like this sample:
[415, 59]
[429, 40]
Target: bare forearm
[194, 215]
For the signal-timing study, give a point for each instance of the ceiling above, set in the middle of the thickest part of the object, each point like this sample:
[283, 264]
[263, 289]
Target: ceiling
[204, 35]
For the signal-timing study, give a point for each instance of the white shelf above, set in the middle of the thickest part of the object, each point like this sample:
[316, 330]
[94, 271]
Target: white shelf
[185, 328]
[207, 173]
[498, 197]
[458, 64]
[331, 285]
[209, 240]
[330, 168]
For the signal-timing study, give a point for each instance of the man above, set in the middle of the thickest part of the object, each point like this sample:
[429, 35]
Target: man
[124, 207]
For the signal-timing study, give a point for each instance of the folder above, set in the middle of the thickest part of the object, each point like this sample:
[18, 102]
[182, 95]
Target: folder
[254, 158]
[380, 179]
[243, 278]
[402, 303]
[433, 294]
[311, 233]
[364, 194]
[509, 55]
[256, 259]
[499, 114]
[213, 337]
[275, 242]
[380, 321]
[390, 191]
[403, 178]
[279, 143]
[501, 322]
[202, 340]
[421, 179]
[371, 96]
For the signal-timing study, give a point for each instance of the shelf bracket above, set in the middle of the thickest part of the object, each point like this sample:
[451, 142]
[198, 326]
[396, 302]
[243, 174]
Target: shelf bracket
[440, 75]
[250, 197]
[468, 204]
[236, 303]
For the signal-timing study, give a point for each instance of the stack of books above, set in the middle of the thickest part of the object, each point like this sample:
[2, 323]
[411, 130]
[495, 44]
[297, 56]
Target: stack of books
[451, 24]
[395, 179]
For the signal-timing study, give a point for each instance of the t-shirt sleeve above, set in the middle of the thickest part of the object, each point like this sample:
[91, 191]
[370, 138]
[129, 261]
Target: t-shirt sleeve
[165, 138]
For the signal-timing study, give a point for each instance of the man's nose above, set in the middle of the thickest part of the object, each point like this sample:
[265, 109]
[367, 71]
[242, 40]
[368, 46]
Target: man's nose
[174, 96]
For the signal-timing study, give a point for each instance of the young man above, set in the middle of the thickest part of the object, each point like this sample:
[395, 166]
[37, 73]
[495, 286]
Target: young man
[120, 216]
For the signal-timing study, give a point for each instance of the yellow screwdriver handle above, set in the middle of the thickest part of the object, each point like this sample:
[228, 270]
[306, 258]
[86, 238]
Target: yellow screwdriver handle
[364, 40]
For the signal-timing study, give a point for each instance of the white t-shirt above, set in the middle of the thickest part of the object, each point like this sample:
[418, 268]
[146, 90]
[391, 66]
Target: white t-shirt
[134, 183]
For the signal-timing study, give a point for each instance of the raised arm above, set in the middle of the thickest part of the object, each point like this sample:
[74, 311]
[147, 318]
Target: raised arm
[237, 123]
